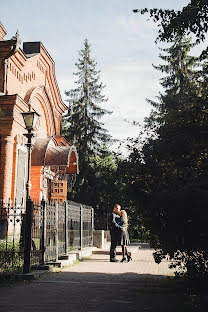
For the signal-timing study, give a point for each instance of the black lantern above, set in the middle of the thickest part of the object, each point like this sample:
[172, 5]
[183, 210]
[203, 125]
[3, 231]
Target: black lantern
[30, 119]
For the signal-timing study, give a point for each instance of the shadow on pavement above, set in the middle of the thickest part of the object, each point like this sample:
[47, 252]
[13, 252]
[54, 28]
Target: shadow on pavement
[72, 291]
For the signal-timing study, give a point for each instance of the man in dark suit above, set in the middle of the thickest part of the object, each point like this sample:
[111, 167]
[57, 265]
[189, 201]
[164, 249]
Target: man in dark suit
[115, 232]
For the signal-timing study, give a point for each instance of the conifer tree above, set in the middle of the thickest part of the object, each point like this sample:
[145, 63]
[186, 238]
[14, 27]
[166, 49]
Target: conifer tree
[192, 18]
[84, 127]
[169, 174]
[180, 116]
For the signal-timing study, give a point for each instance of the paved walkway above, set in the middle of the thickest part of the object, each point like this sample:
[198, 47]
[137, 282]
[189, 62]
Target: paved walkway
[95, 284]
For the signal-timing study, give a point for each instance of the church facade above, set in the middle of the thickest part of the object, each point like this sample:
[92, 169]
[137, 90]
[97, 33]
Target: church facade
[27, 79]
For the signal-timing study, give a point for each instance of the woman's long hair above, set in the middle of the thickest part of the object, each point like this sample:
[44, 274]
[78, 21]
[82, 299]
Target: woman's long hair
[124, 216]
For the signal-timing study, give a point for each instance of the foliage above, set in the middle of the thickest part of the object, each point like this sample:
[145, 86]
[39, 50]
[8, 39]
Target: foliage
[10, 256]
[191, 19]
[167, 175]
[84, 128]
[136, 228]
[106, 188]
[99, 183]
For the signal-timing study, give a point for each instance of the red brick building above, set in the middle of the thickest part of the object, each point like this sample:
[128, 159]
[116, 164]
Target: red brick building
[27, 75]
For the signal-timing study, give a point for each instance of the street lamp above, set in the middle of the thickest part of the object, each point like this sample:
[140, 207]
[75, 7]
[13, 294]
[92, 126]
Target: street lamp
[30, 120]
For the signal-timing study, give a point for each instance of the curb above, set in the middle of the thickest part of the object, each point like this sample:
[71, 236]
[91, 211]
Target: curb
[23, 277]
[68, 260]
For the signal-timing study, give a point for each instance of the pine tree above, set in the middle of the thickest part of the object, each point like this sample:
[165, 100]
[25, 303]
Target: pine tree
[84, 127]
[180, 78]
[180, 113]
[179, 121]
[192, 18]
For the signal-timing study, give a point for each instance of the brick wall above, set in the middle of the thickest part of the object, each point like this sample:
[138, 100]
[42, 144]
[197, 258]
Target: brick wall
[3, 32]
[30, 78]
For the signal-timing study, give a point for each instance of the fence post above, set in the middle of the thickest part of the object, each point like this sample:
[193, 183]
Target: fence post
[56, 229]
[28, 235]
[92, 224]
[81, 227]
[66, 227]
[43, 237]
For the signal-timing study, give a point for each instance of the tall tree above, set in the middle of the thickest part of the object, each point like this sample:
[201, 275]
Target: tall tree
[170, 171]
[190, 19]
[84, 127]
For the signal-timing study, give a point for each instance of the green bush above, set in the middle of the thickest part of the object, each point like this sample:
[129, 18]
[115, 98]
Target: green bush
[11, 257]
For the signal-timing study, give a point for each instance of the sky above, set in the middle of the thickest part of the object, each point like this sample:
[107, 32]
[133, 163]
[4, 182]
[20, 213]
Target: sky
[122, 43]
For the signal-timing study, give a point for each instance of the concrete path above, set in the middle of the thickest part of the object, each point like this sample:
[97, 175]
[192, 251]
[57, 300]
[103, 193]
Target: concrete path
[95, 284]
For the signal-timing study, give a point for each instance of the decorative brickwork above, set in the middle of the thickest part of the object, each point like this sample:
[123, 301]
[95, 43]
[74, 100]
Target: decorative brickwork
[3, 32]
[7, 144]
[27, 77]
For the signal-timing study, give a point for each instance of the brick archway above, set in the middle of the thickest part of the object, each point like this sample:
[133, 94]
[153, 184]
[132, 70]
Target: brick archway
[40, 102]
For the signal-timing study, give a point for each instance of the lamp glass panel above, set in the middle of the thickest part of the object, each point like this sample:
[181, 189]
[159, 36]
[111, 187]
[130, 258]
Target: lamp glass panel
[28, 120]
[35, 120]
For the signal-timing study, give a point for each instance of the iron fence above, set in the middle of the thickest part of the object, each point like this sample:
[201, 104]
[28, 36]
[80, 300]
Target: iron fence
[87, 219]
[36, 235]
[50, 241]
[42, 232]
[11, 243]
[68, 226]
[74, 225]
[62, 227]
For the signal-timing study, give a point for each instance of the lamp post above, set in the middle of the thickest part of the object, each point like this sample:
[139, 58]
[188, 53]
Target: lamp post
[30, 120]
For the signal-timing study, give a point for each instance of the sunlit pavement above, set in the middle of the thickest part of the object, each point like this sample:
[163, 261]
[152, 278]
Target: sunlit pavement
[95, 284]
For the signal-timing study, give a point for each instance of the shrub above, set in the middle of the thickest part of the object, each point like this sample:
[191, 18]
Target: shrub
[11, 256]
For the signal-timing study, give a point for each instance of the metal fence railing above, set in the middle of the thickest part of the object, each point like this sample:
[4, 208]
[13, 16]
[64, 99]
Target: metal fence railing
[87, 228]
[36, 235]
[11, 242]
[74, 225]
[42, 232]
[80, 225]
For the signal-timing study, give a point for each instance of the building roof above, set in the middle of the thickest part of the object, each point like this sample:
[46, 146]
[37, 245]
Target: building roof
[47, 153]
[58, 156]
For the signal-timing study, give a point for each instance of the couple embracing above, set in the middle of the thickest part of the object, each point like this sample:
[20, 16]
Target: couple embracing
[119, 234]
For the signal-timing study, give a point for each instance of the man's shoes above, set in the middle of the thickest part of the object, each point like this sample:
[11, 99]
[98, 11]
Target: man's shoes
[113, 260]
